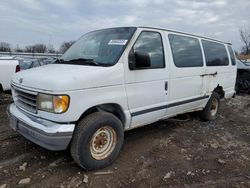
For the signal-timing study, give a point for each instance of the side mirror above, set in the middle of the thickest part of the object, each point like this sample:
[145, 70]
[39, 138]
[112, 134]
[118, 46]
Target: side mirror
[142, 60]
[138, 60]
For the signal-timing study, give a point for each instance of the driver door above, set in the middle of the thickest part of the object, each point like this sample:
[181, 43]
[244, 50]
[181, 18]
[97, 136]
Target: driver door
[146, 86]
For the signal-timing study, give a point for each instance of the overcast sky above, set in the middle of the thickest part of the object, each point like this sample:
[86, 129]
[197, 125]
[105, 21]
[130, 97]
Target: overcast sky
[26, 22]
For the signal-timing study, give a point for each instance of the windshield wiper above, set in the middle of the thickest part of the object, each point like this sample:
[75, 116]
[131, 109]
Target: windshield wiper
[82, 61]
[85, 61]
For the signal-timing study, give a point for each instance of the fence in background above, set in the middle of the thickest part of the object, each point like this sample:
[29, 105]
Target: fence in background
[35, 55]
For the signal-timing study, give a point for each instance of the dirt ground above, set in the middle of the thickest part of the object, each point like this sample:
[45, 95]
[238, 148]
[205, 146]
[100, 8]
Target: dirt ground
[173, 153]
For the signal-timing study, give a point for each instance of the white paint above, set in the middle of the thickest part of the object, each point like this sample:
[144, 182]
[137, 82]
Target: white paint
[132, 90]
[61, 78]
[7, 70]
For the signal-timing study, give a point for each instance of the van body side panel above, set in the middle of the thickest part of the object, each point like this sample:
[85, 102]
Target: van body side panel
[113, 91]
[223, 76]
[230, 91]
[98, 96]
[185, 83]
[145, 89]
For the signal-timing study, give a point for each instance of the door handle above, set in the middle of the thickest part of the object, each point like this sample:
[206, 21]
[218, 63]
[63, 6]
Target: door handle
[212, 74]
[166, 86]
[202, 75]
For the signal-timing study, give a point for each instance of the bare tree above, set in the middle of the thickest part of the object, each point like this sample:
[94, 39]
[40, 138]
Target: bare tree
[245, 38]
[36, 48]
[18, 49]
[5, 47]
[29, 49]
[40, 48]
[65, 46]
[51, 49]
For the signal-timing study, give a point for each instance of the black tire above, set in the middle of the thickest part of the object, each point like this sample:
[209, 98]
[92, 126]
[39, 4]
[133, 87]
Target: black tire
[1, 89]
[83, 139]
[237, 83]
[209, 113]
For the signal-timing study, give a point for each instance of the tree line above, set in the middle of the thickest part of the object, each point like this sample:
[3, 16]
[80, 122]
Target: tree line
[245, 39]
[36, 48]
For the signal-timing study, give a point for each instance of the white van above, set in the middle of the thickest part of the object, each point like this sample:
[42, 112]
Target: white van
[117, 79]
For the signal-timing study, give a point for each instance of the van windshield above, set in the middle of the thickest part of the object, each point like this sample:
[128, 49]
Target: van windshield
[99, 48]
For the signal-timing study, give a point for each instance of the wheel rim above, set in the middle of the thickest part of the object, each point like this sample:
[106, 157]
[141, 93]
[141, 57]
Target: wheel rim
[103, 143]
[214, 107]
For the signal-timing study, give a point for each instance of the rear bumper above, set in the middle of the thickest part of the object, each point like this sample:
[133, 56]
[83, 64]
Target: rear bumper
[48, 134]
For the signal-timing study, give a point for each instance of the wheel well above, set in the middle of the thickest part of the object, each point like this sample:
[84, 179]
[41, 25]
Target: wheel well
[115, 109]
[220, 91]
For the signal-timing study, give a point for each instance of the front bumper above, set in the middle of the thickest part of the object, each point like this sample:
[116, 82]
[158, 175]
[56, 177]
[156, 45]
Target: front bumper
[48, 134]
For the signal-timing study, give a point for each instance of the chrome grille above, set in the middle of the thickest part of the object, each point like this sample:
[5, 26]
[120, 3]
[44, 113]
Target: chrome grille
[25, 100]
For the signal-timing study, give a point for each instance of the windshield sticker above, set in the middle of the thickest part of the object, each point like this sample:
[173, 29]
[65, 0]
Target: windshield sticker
[117, 42]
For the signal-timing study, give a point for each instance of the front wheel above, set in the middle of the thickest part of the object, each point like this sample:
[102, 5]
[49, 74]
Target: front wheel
[210, 112]
[97, 140]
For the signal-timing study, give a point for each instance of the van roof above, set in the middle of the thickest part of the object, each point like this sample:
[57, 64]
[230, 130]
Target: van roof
[180, 32]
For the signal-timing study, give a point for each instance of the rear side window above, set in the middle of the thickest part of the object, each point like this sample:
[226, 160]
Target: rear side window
[215, 53]
[232, 56]
[186, 51]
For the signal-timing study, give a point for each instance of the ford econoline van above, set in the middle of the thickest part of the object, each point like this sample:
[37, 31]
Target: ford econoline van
[117, 79]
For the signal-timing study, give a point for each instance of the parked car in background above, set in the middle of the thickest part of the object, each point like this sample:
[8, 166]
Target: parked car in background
[243, 76]
[29, 63]
[8, 66]
[48, 61]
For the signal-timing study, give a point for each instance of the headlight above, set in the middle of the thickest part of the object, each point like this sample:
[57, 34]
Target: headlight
[53, 103]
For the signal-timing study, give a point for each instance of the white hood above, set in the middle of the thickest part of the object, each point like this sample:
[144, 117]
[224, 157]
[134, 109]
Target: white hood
[56, 77]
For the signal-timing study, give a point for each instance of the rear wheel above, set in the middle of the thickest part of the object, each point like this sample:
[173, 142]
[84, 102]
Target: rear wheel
[97, 140]
[211, 110]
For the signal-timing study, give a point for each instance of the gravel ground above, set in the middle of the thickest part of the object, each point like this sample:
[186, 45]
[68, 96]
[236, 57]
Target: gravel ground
[183, 152]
